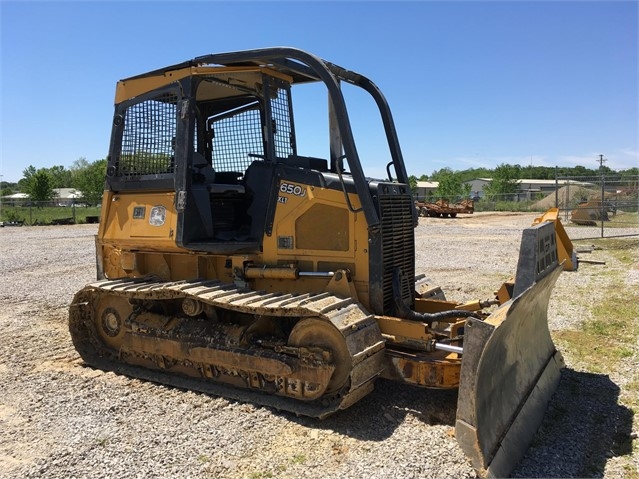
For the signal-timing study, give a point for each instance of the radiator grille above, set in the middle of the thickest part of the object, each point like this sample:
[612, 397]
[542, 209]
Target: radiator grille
[398, 246]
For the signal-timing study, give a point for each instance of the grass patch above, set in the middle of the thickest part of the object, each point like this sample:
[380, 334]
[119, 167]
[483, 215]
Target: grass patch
[298, 459]
[625, 220]
[632, 392]
[609, 340]
[589, 350]
[626, 250]
[260, 474]
[31, 215]
[610, 336]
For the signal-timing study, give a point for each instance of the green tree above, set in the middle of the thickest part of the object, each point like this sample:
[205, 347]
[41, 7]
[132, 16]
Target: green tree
[60, 176]
[412, 182]
[27, 175]
[37, 184]
[88, 178]
[474, 173]
[450, 185]
[504, 182]
[79, 164]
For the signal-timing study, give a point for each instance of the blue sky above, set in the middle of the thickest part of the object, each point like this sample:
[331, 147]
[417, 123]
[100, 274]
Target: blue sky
[470, 84]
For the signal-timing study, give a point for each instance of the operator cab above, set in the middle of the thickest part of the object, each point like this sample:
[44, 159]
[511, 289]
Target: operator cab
[215, 137]
[218, 133]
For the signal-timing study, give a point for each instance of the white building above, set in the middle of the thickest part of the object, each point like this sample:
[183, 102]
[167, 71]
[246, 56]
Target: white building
[14, 199]
[66, 196]
[426, 187]
[61, 197]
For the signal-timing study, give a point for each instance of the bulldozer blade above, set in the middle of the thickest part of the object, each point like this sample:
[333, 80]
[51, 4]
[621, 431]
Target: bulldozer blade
[510, 367]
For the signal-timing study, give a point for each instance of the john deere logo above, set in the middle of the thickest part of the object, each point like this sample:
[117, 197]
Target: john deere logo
[158, 216]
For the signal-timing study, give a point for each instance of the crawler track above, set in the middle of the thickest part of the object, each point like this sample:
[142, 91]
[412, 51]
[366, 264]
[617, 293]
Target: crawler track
[207, 360]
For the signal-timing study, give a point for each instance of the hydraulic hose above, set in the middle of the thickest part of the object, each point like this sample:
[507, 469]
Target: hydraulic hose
[405, 312]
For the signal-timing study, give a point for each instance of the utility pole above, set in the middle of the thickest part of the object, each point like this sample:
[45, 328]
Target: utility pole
[1, 177]
[601, 162]
[603, 207]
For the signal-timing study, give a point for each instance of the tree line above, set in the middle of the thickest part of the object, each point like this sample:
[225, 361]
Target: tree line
[505, 178]
[39, 183]
[88, 178]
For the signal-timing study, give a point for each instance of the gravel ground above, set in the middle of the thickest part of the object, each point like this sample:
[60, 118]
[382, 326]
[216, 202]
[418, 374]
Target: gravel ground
[60, 419]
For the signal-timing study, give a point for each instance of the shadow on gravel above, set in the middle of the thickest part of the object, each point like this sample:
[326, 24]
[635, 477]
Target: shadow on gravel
[376, 417]
[584, 425]
[583, 428]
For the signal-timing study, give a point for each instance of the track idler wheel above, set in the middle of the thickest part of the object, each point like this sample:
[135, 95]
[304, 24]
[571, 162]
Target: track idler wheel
[315, 332]
[111, 313]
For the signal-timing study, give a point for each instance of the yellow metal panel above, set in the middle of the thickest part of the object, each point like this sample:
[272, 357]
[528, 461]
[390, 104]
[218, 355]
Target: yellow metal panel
[402, 328]
[295, 201]
[127, 89]
[140, 220]
[565, 250]
[437, 370]
[323, 227]
[107, 197]
[293, 204]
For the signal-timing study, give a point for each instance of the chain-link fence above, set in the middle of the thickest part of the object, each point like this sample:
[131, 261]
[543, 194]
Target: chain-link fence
[602, 206]
[31, 213]
[596, 206]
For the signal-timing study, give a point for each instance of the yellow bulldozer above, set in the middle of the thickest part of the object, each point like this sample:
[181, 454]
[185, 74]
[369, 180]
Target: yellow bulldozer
[230, 263]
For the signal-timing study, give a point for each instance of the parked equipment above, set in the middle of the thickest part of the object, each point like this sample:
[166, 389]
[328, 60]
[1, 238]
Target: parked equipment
[230, 263]
[443, 208]
[588, 213]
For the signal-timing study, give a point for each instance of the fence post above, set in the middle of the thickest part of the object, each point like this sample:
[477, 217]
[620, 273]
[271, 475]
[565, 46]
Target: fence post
[556, 189]
[601, 174]
[603, 207]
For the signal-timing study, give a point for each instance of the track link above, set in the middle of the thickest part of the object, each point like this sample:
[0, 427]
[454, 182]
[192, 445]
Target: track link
[358, 328]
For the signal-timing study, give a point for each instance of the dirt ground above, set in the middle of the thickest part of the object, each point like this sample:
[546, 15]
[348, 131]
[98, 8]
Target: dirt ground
[59, 418]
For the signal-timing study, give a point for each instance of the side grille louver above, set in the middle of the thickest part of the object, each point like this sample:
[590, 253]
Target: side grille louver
[398, 246]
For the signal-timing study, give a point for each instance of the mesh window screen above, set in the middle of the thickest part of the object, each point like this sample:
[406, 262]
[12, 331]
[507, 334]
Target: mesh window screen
[283, 131]
[238, 134]
[148, 137]
[235, 137]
